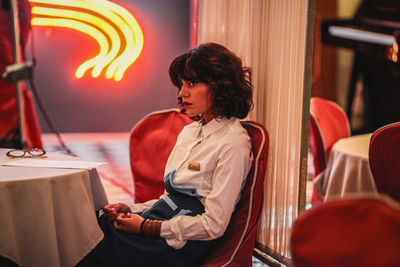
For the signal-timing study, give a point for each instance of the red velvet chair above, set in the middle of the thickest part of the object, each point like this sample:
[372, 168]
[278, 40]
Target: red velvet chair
[348, 232]
[328, 124]
[235, 247]
[384, 159]
[150, 143]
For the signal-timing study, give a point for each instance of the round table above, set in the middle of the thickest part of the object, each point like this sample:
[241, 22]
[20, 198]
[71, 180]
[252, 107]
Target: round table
[48, 214]
[347, 170]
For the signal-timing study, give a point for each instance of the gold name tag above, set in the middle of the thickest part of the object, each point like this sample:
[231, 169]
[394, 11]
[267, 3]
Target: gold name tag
[194, 166]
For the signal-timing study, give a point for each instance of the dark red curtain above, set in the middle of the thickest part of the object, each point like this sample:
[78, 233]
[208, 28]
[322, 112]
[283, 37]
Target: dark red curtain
[8, 103]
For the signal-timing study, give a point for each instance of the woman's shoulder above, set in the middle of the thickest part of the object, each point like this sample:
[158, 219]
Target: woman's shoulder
[236, 127]
[236, 134]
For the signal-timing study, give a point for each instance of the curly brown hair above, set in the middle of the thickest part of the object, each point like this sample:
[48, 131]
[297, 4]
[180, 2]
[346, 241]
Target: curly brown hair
[230, 82]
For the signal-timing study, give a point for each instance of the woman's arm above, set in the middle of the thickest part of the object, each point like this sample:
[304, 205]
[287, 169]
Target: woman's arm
[232, 167]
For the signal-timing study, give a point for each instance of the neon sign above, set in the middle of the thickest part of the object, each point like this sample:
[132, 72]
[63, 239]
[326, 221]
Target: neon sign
[114, 28]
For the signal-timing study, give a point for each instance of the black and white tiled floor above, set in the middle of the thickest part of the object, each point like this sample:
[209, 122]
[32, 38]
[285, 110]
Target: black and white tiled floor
[111, 148]
[258, 263]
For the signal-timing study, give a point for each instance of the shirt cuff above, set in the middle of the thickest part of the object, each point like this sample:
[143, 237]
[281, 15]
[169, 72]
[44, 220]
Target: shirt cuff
[168, 234]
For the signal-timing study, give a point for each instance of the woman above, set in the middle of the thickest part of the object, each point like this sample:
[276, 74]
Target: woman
[203, 175]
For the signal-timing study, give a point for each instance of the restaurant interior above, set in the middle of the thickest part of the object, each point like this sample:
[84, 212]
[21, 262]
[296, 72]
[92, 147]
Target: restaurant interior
[88, 116]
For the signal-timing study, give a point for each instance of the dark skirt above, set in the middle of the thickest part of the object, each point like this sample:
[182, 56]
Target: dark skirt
[119, 248]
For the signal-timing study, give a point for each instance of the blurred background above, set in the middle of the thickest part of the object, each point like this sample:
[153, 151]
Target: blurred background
[361, 76]
[104, 105]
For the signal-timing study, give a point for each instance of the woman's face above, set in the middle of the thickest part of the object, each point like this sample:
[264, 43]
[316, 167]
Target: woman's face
[196, 98]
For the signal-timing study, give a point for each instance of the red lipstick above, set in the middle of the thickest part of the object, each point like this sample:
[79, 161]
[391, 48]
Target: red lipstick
[186, 104]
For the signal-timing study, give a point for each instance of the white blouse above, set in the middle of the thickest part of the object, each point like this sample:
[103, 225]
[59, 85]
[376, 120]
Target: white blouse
[214, 158]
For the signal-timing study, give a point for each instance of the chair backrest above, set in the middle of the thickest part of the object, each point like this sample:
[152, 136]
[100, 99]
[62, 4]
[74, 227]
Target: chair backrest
[150, 143]
[348, 232]
[384, 159]
[235, 247]
[328, 124]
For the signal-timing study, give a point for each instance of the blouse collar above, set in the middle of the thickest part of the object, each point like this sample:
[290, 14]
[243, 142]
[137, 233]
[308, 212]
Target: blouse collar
[213, 126]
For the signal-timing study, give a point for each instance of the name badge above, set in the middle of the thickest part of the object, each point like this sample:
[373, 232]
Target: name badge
[194, 166]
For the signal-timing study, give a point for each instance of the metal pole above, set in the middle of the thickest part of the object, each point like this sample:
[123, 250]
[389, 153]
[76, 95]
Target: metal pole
[17, 59]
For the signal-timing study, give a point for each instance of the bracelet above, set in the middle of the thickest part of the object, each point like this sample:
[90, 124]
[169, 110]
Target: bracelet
[141, 226]
[151, 228]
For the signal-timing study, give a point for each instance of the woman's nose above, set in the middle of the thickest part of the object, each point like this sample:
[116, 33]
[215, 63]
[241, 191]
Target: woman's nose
[183, 92]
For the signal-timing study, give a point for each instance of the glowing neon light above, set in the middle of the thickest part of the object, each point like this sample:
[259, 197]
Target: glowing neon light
[93, 32]
[128, 56]
[90, 19]
[87, 17]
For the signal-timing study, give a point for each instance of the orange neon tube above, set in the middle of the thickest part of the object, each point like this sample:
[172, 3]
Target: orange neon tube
[112, 55]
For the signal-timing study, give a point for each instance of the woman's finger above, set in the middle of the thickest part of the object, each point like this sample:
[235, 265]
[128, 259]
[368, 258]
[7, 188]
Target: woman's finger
[120, 218]
[108, 207]
[118, 225]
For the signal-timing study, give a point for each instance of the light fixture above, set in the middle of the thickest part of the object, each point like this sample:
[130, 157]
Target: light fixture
[114, 28]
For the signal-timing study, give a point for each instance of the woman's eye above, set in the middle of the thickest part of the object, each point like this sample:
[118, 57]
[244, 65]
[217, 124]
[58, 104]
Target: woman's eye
[193, 83]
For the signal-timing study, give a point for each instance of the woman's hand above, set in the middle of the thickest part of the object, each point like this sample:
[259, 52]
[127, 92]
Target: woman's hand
[111, 211]
[129, 223]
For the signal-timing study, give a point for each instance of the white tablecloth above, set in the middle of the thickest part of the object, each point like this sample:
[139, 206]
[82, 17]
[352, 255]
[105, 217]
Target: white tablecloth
[347, 170]
[47, 215]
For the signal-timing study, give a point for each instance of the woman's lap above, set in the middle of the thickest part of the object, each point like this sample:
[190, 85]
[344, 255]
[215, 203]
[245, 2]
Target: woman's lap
[119, 248]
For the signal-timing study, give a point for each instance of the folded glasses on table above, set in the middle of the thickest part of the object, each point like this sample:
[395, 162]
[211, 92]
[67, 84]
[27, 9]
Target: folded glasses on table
[19, 153]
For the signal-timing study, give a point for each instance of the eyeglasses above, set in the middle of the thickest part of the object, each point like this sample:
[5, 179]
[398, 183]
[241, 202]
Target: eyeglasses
[19, 153]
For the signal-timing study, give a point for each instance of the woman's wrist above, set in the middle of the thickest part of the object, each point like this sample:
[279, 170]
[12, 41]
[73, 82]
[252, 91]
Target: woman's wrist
[150, 228]
[141, 226]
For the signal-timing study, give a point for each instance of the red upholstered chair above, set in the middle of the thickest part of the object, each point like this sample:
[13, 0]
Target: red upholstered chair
[384, 159]
[150, 143]
[328, 124]
[235, 247]
[348, 232]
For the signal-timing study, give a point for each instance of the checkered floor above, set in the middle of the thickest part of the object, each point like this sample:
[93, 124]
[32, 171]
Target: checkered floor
[111, 148]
